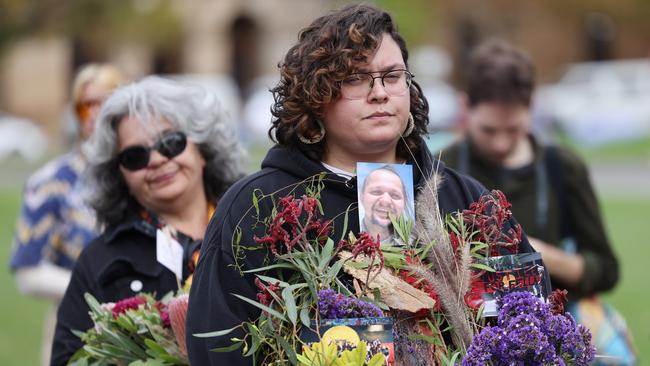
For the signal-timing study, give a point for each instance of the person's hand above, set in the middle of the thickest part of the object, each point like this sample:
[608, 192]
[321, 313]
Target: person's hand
[567, 267]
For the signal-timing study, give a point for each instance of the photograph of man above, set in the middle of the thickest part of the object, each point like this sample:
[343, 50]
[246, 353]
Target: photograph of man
[384, 190]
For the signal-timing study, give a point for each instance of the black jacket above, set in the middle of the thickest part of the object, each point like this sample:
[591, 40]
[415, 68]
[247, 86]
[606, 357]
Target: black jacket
[117, 265]
[211, 305]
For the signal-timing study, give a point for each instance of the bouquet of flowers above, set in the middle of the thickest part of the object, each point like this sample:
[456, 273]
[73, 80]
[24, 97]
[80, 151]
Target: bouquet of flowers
[358, 302]
[136, 331]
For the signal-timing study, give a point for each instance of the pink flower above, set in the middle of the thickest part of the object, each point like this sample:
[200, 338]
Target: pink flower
[132, 303]
[164, 314]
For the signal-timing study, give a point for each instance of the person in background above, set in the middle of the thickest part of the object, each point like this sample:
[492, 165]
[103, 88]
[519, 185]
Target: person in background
[346, 95]
[161, 157]
[548, 186]
[54, 223]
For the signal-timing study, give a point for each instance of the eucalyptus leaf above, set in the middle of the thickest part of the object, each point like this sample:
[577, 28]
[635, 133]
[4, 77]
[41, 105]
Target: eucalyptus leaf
[261, 307]
[270, 267]
[217, 333]
[230, 348]
[334, 270]
[291, 354]
[290, 304]
[304, 317]
[273, 280]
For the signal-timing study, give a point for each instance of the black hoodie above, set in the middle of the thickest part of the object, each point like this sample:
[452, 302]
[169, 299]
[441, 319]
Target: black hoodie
[212, 306]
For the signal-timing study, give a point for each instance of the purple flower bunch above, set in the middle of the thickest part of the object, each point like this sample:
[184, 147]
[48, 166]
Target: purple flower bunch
[333, 305]
[528, 333]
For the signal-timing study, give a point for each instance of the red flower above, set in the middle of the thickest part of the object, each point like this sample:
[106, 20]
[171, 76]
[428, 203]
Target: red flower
[473, 298]
[369, 246]
[295, 222]
[558, 300]
[309, 204]
[264, 294]
[488, 217]
[419, 283]
[132, 303]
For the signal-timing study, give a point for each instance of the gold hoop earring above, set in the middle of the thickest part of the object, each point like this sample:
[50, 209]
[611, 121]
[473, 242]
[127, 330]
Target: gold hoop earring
[316, 139]
[410, 125]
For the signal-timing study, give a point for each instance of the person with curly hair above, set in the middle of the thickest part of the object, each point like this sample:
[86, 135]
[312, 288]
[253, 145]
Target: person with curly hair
[160, 158]
[345, 95]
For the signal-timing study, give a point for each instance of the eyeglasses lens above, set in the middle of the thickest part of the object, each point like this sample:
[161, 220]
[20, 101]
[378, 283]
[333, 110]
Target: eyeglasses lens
[137, 157]
[358, 85]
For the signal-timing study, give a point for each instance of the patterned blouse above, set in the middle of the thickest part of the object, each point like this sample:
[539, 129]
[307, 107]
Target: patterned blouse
[55, 223]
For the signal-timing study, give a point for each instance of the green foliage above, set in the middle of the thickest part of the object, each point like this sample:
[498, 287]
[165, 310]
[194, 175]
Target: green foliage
[290, 284]
[416, 19]
[92, 21]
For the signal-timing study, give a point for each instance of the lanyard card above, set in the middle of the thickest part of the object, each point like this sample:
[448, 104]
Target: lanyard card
[169, 253]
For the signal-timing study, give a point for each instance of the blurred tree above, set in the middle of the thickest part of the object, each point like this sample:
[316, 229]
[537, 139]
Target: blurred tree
[416, 19]
[95, 23]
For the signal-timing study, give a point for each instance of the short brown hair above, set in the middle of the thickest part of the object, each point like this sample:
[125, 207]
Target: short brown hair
[498, 72]
[328, 50]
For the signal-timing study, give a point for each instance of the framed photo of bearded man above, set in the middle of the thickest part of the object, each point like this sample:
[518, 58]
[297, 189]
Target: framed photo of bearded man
[384, 190]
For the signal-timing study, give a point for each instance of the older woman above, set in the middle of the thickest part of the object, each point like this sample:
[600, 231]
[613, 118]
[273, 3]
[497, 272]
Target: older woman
[345, 96]
[161, 157]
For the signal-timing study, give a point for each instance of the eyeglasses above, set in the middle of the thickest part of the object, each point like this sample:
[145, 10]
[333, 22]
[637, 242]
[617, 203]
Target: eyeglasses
[359, 85]
[84, 108]
[136, 157]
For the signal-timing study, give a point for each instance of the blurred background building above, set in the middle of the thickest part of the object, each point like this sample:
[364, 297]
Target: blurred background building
[233, 47]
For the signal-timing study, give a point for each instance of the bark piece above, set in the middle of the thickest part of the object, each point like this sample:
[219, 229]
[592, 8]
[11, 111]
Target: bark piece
[394, 291]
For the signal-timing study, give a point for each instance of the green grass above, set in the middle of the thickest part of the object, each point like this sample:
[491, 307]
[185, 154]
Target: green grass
[20, 317]
[637, 150]
[627, 221]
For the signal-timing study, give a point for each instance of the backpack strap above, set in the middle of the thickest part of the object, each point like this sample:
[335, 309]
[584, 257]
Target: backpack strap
[463, 158]
[556, 179]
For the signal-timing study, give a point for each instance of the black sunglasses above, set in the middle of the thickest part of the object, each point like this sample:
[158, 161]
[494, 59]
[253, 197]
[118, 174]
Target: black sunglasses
[136, 157]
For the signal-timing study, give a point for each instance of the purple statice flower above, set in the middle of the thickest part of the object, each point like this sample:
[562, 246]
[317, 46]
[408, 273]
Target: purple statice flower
[524, 339]
[518, 303]
[586, 352]
[333, 305]
[557, 326]
[484, 349]
[528, 333]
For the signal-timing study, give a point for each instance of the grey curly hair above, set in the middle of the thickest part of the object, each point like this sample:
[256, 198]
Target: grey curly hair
[189, 109]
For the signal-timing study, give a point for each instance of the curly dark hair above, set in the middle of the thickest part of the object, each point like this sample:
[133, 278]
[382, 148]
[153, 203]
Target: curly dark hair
[498, 72]
[328, 50]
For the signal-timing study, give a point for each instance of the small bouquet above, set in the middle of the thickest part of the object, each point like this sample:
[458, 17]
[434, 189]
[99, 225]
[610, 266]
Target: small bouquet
[136, 331]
